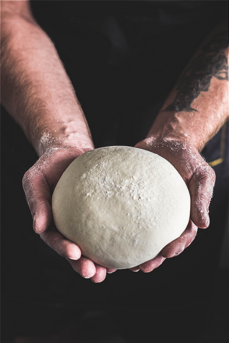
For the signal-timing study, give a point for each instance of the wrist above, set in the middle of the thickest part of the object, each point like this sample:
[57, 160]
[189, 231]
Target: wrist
[50, 140]
[195, 128]
[55, 135]
[177, 127]
[170, 144]
[58, 127]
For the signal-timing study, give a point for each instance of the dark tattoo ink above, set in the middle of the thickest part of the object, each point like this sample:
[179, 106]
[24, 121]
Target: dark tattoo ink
[212, 61]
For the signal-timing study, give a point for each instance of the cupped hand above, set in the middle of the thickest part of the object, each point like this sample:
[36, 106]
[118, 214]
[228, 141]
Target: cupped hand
[38, 184]
[199, 178]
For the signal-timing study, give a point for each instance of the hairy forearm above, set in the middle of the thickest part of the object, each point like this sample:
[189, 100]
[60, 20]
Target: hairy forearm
[36, 90]
[198, 105]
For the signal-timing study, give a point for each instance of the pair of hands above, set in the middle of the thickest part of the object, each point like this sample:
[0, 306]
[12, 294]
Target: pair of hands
[40, 181]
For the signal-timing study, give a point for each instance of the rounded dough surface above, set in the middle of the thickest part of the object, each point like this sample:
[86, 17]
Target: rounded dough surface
[121, 205]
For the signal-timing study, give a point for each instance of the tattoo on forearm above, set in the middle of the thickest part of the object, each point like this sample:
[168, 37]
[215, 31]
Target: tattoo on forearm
[212, 61]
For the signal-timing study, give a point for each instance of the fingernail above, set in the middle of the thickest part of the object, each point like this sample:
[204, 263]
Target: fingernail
[111, 270]
[88, 277]
[135, 271]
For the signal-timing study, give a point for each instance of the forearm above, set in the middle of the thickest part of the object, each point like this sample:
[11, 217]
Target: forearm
[36, 89]
[198, 105]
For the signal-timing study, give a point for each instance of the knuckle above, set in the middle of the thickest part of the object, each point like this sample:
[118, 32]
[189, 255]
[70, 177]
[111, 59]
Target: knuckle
[28, 177]
[26, 185]
[205, 173]
[25, 179]
[212, 174]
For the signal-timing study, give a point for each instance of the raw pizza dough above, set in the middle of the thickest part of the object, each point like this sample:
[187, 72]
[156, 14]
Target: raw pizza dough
[121, 205]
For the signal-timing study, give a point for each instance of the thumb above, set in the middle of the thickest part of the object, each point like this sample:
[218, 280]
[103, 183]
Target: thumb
[201, 187]
[38, 198]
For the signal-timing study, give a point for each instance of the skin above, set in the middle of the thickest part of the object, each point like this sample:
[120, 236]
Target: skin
[38, 94]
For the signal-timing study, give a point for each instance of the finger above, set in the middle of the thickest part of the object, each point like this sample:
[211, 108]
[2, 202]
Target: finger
[61, 245]
[201, 190]
[178, 245]
[149, 266]
[111, 270]
[135, 269]
[38, 198]
[100, 274]
[85, 267]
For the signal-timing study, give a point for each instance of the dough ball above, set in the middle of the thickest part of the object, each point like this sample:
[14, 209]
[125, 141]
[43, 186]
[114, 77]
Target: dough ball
[121, 205]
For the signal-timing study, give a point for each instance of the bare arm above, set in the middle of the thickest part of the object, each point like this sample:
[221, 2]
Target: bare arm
[36, 89]
[198, 105]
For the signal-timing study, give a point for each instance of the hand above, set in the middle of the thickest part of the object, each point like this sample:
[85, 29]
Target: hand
[199, 178]
[39, 183]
